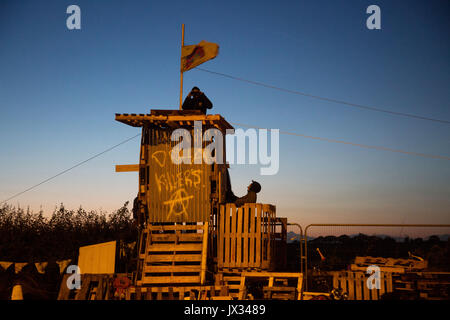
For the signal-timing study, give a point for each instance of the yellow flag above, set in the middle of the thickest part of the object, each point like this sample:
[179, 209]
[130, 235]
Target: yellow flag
[194, 55]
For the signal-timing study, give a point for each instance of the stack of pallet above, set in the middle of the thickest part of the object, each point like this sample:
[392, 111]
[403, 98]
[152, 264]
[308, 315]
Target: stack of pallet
[173, 254]
[389, 264]
[275, 285]
[356, 287]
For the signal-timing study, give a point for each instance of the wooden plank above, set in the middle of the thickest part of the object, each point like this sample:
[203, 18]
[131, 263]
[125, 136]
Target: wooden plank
[109, 293]
[365, 288]
[374, 293]
[388, 282]
[182, 237]
[227, 297]
[181, 294]
[64, 290]
[233, 239]
[359, 282]
[239, 240]
[100, 288]
[265, 274]
[220, 248]
[269, 235]
[351, 285]
[252, 226]
[167, 269]
[343, 280]
[127, 167]
[85, 284]
[178, 279]
[204, 254]
[335, 280]
[164, 247]
[258, 257]
[138, 294]
[174, 258]
[227, 235]
[159, 294]
[355, 267]
[300, 286]
[382, 284]
[174, 227]
[242, 288]
[245, 239]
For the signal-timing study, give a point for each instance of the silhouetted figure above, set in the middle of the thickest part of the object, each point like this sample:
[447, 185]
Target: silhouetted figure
[250, 197]
[229, 195]
[196, 100]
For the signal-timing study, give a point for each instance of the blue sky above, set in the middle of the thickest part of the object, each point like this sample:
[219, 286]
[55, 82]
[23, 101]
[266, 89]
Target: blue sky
[60, 89]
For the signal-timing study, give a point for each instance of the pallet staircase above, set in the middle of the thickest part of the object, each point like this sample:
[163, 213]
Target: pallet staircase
[173, 254]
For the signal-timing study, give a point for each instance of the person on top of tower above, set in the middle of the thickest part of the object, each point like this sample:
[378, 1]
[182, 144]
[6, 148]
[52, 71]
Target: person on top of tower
[196, 100]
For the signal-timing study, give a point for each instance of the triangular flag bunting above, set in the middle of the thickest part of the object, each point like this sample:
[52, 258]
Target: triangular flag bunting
[40, 266]
[5, 265]
[63, 264]
[18, 266]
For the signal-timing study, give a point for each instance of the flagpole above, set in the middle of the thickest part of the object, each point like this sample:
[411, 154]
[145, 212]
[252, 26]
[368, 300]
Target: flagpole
[181, 72]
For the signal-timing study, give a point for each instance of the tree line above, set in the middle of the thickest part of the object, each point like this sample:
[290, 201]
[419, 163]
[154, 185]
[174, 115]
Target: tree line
[26, 236]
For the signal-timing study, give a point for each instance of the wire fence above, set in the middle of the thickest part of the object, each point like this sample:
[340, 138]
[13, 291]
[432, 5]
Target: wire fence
[331, 247]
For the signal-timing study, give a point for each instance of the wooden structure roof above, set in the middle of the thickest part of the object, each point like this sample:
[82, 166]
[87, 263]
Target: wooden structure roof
[174, 119]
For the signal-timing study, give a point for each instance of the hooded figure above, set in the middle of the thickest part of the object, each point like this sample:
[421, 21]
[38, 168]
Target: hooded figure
[196, 100]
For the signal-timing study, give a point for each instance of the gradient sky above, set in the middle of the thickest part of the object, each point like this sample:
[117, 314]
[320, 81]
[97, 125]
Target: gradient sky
[60, 89]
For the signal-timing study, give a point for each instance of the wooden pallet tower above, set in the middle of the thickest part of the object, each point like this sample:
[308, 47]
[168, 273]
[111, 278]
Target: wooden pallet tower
[190, 239]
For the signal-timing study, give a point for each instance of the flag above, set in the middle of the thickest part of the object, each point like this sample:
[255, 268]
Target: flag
[5, 265]
[63, 264]
[40, 266]
[194, 55]
[18, 266]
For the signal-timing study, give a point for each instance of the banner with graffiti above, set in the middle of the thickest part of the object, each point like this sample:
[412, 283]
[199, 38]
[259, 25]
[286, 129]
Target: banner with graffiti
[181, 192]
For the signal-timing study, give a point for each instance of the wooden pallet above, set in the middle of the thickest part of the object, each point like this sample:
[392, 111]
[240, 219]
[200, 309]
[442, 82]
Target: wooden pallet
[178, 293]
[173, 254]
[426, 285]
[355, 285]
[246, 237]
[93, 287]
[277, 284]
[390, 265]
[229, 280]
[279, 293]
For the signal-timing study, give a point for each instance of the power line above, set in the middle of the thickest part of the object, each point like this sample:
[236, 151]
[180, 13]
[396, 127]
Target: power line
[73, 167]
[324, 98]
[425, 155]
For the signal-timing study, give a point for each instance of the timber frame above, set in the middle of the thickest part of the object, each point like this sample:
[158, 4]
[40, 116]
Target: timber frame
[208, 249]
[198, 251]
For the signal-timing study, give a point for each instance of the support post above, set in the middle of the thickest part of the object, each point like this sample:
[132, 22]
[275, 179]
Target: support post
[181, 72]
